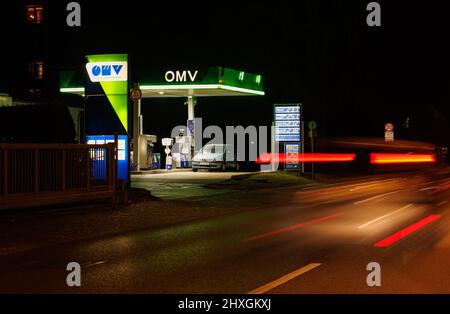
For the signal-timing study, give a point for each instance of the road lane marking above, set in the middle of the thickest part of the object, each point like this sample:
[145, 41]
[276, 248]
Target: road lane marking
[289, 228]
[430, 188]
[387, 215]
[442, 203]
[94, 264]
[368, 184]
[406, 231]
[445, 186]
[375, 197]
[284, 279]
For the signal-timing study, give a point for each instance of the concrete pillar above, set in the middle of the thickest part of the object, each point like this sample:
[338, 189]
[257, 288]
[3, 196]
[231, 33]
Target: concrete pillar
[137, 130]
[191, 101]
[191, 104]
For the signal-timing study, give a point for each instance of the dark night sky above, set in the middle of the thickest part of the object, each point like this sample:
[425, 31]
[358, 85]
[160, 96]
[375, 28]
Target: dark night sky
[351, 78]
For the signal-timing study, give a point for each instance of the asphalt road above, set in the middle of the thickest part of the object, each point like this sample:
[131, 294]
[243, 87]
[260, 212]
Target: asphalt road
[319, 243]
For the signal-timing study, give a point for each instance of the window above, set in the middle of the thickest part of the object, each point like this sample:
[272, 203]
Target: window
[213, 149]
[39, 70]
[34, 14]
[36, 70]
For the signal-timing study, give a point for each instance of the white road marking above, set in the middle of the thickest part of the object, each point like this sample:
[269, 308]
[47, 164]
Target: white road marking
[375, 197]
[284, 279]
[369, 184]
[442, 203]
[430, 188]
[94, 264]
[387, 215]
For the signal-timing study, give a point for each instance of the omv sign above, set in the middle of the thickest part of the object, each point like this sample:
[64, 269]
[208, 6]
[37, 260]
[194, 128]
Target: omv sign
[107, 71]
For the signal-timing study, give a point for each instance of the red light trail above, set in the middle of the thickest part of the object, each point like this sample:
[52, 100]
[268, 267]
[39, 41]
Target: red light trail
[407, 231]
[288, 228]
[306, 157]
[393, 158]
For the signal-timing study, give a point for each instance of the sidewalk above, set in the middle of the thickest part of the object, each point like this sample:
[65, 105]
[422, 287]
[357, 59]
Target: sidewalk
[160, 171]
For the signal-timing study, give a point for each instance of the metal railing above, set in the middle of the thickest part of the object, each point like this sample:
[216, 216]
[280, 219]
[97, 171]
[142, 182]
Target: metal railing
[40, 173]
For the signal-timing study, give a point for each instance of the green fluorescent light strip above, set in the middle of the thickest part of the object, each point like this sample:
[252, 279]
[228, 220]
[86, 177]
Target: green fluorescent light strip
[200, 86]
[171, 87]
[72, 89]
[242, 90]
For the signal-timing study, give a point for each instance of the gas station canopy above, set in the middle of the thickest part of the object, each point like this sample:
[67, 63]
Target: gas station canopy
[108, 89]
[199, 82]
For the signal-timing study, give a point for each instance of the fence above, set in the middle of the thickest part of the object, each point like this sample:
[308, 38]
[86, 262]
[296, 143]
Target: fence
[40, 174]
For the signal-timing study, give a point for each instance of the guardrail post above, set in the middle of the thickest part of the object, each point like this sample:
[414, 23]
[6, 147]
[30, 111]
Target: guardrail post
[5, 172]
[116, 168]
[88, 169]
[63, 171]
[36, 170]
[110, 164]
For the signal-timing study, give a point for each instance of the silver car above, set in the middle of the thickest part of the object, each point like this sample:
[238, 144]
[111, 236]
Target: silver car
[215, 157]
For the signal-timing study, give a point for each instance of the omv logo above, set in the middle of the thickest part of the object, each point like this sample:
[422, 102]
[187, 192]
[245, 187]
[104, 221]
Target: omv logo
[107, 71]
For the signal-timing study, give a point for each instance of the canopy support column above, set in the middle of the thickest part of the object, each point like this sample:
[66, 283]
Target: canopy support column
[137, 131]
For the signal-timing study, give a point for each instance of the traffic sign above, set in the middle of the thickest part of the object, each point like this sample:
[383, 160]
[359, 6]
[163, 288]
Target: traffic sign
[389, 127]
[312, 125]
[389, 136]
[135, 94]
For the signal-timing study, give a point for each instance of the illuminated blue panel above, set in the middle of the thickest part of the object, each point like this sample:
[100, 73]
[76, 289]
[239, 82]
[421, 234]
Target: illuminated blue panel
[122, 153]
[287, 123]
[287, 138]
